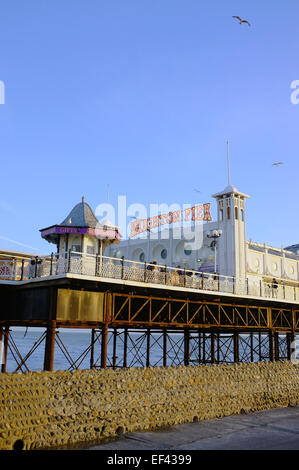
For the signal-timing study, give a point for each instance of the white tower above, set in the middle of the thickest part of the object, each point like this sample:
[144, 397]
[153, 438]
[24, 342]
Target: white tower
[232, 243]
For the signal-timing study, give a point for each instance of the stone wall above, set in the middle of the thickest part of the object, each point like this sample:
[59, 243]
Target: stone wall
[50, 409]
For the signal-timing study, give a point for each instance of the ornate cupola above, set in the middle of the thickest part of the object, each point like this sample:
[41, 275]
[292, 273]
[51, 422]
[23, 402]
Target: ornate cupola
[81, 232]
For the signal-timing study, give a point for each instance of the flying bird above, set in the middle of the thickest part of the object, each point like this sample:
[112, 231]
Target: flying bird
[197, 190]
[241, 21]
[277, 163]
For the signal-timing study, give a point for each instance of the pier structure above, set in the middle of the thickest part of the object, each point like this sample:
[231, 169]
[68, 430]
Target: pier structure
[131, 308]
[220, 319]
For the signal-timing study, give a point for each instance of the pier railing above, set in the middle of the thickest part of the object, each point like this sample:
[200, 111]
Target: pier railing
[127, 270]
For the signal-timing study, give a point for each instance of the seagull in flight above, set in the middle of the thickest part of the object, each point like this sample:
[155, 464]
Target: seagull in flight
[197, 190]
[277, 163]
[241, 21]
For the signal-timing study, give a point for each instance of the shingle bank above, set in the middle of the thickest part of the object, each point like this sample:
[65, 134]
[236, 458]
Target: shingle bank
[51, 409]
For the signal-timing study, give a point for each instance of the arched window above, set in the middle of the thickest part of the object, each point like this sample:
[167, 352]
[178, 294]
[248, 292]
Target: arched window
[236, 213]
[221, 214]
[187, 250]
[228, 212]
[242, 215]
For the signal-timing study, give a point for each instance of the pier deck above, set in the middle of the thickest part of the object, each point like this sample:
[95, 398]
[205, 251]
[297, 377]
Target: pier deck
[114, 298]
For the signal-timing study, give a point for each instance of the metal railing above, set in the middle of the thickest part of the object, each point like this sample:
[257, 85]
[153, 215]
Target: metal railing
[135, 271]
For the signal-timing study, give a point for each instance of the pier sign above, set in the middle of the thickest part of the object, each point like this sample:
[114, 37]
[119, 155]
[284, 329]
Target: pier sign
[195, 213]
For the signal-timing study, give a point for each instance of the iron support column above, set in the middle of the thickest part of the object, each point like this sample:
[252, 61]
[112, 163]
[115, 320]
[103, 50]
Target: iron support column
[251, 347]
[164, 347]
[236, 348]
[260, 346]
[114, 357]
[186, 347]
[271, 349]
[50, 346]
[213, 359]
[204, 348]
[199, 347]
[104, 346]
[5, 349]
[125, 347]
[218, 346]
[276, 346]
[148, 346]
[92, 348]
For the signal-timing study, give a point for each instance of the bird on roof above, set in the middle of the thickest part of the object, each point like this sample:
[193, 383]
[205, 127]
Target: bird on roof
[241, 20]
[277, 163]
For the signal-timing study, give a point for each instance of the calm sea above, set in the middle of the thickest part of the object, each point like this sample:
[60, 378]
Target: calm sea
[74, 346]
[72, 349]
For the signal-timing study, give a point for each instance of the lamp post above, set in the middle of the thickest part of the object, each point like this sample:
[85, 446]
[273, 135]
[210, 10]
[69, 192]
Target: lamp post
[214, 234]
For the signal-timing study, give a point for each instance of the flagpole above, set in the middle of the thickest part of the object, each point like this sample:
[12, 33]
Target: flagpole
[228, 166]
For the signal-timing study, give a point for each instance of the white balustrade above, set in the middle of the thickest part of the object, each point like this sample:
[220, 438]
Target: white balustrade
[116, 268]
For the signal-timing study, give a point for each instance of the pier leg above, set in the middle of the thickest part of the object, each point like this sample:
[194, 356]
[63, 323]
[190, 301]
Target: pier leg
[236, 348]
[92, 348]
[251, 347]
[148, 346]
[288, 340]
[164, 347]
[5, 349]
[271, 349]
[260, 346]
[125, 347]
[213, 359]
[204, 348]
[276, 346]
[104, 346]
[218, 347]
[199, 347]
[114, 357]
[50, 346]
[186, 347]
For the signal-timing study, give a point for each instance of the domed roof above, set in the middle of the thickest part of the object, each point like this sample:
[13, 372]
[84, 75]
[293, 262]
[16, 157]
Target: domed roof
[82, 220]
[230, 190]
[81, 216]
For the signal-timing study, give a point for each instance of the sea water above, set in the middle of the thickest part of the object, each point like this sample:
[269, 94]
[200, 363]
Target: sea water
[73, 349]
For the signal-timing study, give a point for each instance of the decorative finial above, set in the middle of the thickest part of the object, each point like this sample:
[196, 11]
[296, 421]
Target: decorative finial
[83, 199]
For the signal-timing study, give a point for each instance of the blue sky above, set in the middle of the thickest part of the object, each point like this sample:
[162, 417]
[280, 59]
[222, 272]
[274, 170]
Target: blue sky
[143, 95]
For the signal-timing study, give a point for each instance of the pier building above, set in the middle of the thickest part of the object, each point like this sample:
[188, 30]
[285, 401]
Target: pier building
[233, 312]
